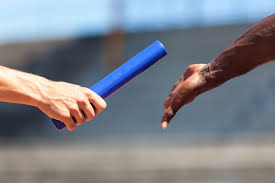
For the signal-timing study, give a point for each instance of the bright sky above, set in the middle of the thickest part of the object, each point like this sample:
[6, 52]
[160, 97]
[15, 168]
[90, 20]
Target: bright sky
[42, 19]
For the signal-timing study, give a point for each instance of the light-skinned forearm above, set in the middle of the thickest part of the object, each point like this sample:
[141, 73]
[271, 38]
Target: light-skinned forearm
[21, 87]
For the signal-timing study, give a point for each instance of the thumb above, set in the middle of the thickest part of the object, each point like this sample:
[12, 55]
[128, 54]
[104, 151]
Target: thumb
[179, 100]
[167, 117]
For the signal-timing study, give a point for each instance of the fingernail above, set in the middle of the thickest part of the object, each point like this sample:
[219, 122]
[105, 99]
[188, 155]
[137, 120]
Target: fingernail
[164, 125]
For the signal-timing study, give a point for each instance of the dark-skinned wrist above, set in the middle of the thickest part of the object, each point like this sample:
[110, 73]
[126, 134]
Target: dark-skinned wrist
[214, 76]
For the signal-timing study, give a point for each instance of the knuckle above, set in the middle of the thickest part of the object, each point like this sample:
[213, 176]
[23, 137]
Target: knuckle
[67, 119]
[102, 105]
[90, 118]
[87, 91]
[190, 69]
[90, 115]
[82, 102]
[74, 109]
[165, 105]
[82, 119]
[77, 87]
[181, 79]
[78, 118]
[190, 66]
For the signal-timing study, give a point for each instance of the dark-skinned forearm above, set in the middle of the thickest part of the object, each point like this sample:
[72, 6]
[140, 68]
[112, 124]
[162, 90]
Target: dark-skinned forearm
[253, 48]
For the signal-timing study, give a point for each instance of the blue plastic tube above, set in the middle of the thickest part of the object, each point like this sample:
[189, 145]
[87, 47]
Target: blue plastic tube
[126, 72]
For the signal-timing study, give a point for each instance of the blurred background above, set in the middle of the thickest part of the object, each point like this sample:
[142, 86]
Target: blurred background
[225, 135]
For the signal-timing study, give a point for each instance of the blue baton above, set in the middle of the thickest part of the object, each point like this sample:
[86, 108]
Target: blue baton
[125, 73]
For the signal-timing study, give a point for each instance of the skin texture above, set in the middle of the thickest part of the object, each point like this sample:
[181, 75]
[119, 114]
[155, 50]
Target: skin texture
[253, 48]
[66, 102]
